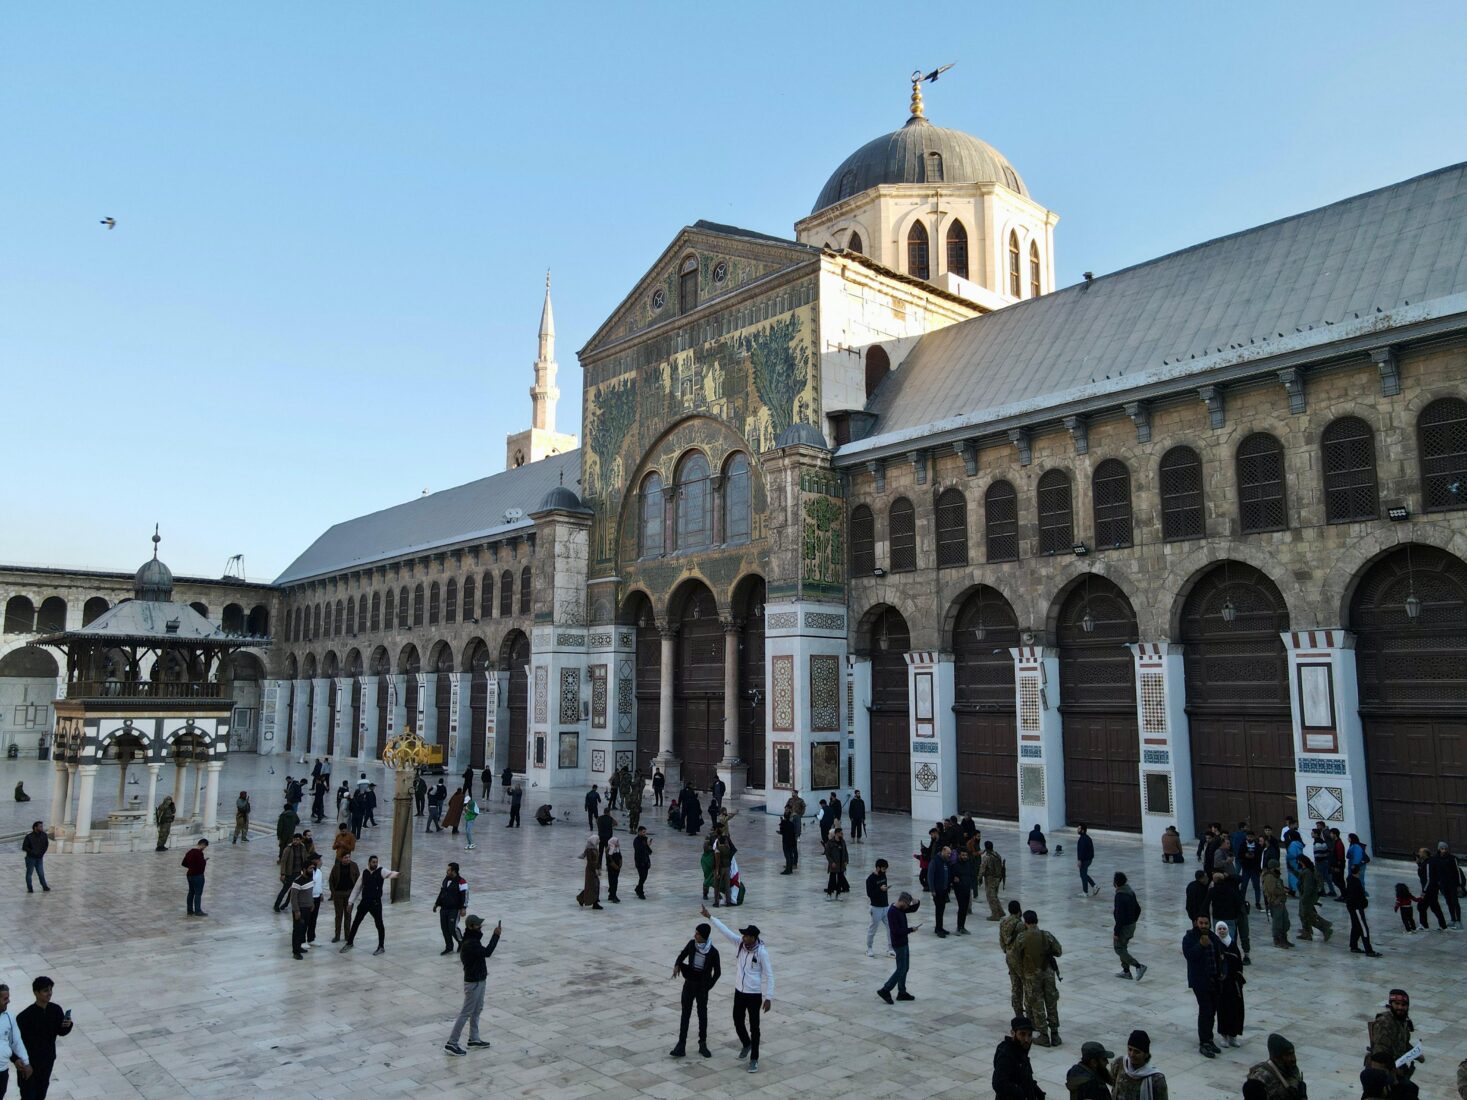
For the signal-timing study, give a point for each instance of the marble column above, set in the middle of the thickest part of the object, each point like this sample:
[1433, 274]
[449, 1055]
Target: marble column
[731, 769]
[671, 767]
[1041, 737]
[211, 795]
[178, 780]
[154, 770]
[68, 812]
[86, 780]
[1166, 745]
[933, 732]
[1330, 775]
[60, 789]
[122, 784]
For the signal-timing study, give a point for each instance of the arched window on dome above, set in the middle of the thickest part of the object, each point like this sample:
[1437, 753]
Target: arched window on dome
[957, 249]
[847, 184]
[934, 167]
[854, 244]
[1015, 286]
[687, 285]
[1034, 269]
[917, 251]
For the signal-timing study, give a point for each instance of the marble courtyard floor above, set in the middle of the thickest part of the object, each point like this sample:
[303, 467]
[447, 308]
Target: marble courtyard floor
[580, 1003]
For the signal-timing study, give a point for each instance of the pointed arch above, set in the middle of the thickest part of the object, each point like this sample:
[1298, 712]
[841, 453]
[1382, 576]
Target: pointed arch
[917, 262]
[957, 249]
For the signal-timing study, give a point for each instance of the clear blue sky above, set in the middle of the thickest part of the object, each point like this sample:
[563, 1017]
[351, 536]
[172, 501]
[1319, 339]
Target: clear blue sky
[334, 218]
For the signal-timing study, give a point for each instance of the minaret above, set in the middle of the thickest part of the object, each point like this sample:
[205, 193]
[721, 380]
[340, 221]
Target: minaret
[541, 440]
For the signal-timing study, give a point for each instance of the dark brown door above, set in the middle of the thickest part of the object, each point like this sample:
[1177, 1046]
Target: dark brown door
[751, 692]
[1238, 707]
[649, 694]
[518, 704]
[698, 734]
[1098, 707]
[356, 715]
[891, 748]
[383, 697]
[983, 705]
[443, 702]
[1413, 697]
[410, 702]
[478, 715]
[331, 704]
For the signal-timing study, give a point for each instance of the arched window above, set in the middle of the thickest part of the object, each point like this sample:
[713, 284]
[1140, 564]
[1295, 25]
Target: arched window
[878, 366]
[863, 541]
[450, 601]
[377, 611]
[389, 610]
[362, 614]
[435, 596]
[506, 594]
[653, 526]
[96, 606]
[417, 605]
[351, 614]
[934, 167]
[1056, 513]
[1348, 461]
[854, 244]
[404, 609]
[326, 621]
[902, 531]
[20, 616]
[486, 598]
[297, 630]
[1111, 490]
[687, 285]
[694, 511]
[1034, 269]
[525, 590]
[736, 517]
[957, 249]
[51, 616]
[1261, 484]
[470, 595]
[316, 622]
[917, 251]
[952, 528]
[1441, 431]
[1181, 495]
[1001, 522]
[1014, 285]
[338, 624]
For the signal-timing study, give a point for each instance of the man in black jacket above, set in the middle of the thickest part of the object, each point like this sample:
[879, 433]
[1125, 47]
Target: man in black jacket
[1013, 1076]
[1126, 911]
[1196, 899]
[642, 858]
[699, 968]
[473, 953]
[789, 839]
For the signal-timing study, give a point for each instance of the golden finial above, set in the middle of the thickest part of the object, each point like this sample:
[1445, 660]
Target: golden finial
[405, 751]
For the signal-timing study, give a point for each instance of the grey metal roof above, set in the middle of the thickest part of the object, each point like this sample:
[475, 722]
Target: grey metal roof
[139, 619]
[901, 157]
[1308, 279]
[473, 511]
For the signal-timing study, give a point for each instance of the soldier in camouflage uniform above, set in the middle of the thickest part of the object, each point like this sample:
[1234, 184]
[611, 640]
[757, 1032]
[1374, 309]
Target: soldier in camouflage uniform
[632, 799]
[1280, 1075]
[1390, 1031]
[990, 870]
[1008, 932]
[1034, 953]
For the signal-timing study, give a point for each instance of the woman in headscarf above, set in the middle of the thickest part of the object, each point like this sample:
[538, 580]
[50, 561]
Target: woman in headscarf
[1230, 985]
[591, 892]
[613, 868]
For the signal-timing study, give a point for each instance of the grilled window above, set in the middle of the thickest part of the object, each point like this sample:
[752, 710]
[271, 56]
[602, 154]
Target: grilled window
[952, 528]
[486, 598]
[957, 249]
[450, 602]
[1014, 261]
[902, 530]
[863, 542]
[736, 515]
[389, 610]
[917, 251]
[1056, 513]
[694, 503]
[1348, 459]
[1442, 438]
[652, 516]
[1181, 494]
[470, 596]
[687, 285]
[1033, 269]
[435, 604]
[855, 242]
[316, 623]
[338, 625]
[1261, 484]
[506, 594]
[525, 590]
[1111, 488]
[418, 605]
[404, 611]
[934, 167]
[1001, 522]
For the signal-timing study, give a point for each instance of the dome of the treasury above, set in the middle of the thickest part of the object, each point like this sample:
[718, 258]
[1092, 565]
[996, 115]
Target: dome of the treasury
[903, 156]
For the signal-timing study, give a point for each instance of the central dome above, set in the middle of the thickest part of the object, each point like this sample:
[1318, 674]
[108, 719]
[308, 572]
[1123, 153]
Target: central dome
[919, 153]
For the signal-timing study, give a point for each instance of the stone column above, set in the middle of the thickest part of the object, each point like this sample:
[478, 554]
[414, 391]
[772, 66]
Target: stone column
[1166, 745]
[1041, 737]
[426, 723]
[68, 811]
[1329, 738]
[320, 715]
[211, 795]
[934, 735]
[670, 765]
[343, 733]
[367, 717]
[86, 779]
[858, 670]
[121, 785]
[730, 768]
[154, 770]
[60, 789]
[179, 777]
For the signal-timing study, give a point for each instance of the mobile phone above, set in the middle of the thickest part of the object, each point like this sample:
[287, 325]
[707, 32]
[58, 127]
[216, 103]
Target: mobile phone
[66, 1015]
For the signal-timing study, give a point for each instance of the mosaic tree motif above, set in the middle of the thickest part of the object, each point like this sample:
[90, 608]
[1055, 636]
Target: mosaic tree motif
[780, 362]
[824, 551]
[611, 414]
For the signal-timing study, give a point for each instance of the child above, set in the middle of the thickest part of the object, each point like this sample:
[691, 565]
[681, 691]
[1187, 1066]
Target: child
[1404, 902]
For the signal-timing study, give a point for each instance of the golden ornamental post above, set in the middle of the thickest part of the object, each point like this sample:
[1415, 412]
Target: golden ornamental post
[404, 754]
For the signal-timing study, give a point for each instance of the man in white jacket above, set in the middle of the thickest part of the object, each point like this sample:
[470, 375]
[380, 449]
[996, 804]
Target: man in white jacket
[753, 985]
[12, 1047]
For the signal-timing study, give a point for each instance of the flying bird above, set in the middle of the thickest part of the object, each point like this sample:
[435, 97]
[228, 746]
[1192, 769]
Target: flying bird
[934, 74]
[110, 223]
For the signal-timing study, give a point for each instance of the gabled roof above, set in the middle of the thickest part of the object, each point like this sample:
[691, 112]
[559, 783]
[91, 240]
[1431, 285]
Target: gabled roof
[141, 621]
[479, 510]
[1313, 278]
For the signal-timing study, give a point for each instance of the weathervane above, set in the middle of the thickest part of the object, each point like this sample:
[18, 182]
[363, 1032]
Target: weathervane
[917, 78]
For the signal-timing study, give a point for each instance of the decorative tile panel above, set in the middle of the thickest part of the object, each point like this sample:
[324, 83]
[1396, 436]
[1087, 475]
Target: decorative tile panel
[782, 620]
[1153, 702]
[625, 639]
[1320, 767]
[824, 620]
[926, 776]
[1029, 704]
[1031, 752]
[599, 640]
[1031, 784]
[1325, 803]
[542, 695]
[824, 692]
[570, 641]
[598, 760]
[782, 693]
[924, 747]
[1162, 757]
[570, 695]
[598, 697]
[623, 758]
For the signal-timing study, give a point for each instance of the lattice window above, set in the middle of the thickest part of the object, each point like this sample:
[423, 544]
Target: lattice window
[1111, 487]
[525, 590]
[1181, 495]
[450, 602]
[1001, 522]
[863, 542]
[1261, 484]
[736, 512]
[917, 251]
[1348, 453]
[957, 249]
[418, 605]
[389, 612]
[506, 594]
[1442, 438]
[1014, 262]
[404, 609]
[1029, 704]
[1056, 516]
[902, 529]
[694, 496]
[435, 603]
[653, 525]
[1034, 282]
[952, 528]
[1153, 702]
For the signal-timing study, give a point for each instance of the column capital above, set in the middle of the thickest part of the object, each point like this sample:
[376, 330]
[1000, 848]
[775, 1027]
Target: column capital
[667, 633]
[87, 769]
[731, 625]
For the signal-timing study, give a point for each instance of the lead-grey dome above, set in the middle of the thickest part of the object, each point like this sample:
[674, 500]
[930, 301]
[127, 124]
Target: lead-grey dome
[808, 434]
[153, 582]
[902, 156]
[563, 499]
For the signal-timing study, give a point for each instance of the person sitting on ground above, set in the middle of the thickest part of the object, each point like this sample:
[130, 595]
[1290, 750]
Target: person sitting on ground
[20, 795]
[1171, 846]
[1036, 842]
[545, 815]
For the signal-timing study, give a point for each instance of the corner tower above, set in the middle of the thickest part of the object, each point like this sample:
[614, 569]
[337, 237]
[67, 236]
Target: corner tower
[541, 440]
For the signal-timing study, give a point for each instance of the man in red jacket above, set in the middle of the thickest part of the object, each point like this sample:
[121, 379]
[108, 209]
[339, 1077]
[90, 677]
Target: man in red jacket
[194, 862]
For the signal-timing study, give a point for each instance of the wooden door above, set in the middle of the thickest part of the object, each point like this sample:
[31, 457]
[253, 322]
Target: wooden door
[518, 703]
[983, 706]
[891, 738]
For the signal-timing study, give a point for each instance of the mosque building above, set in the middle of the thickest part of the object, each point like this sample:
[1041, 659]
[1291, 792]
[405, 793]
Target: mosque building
[881, 507]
